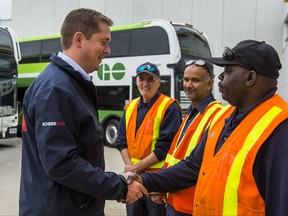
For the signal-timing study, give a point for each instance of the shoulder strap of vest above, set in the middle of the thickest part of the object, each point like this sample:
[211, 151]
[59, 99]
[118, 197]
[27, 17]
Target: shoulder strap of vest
[161, 107]
[129, 109]
[233, 179]
[220, 113]
[210, 110]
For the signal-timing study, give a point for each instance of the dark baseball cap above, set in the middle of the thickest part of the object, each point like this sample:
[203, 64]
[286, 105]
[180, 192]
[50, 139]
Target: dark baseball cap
[252, 55]
[148, 68]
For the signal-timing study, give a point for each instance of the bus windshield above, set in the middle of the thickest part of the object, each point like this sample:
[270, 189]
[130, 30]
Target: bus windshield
[8, 74]
[8, 64]
[8, 84]
[192, 43]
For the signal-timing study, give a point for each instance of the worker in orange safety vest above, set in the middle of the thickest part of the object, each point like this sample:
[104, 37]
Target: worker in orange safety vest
[240, 165]
[197, 82]
[146, 131]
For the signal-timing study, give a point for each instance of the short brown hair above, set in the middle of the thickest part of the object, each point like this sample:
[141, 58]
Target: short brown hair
[83, 20]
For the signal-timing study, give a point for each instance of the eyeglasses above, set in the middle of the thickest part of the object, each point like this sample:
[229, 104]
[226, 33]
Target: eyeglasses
[229, 54]
[149, 67]
[200, 63]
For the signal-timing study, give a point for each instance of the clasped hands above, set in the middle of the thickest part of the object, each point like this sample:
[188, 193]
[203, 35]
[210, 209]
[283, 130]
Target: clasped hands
[136, 189]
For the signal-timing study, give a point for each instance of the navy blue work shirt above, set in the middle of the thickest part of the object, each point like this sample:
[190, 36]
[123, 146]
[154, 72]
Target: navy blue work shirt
[193, 112]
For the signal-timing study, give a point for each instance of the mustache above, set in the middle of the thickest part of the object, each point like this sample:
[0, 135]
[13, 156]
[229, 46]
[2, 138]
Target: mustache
[190, 90]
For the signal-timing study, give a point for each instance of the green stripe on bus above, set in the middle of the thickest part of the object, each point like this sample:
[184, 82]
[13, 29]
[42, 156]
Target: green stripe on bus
[132, 26]
[104, 113]
[36, 38]
[31, 68]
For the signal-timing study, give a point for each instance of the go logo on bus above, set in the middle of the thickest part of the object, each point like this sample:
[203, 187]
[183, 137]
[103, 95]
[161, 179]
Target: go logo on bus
[117, 72]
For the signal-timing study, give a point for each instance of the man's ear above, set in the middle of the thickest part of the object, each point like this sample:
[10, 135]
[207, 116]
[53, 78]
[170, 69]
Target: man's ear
[78, 37]
[210, 86]
[251, 78]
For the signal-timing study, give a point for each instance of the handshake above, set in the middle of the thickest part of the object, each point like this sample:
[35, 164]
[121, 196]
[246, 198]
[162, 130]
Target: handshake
[136, 189]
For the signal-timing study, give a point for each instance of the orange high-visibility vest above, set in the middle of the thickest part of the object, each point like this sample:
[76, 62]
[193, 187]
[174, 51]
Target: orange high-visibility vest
[142, 143]
[226, 185]
[182, 200]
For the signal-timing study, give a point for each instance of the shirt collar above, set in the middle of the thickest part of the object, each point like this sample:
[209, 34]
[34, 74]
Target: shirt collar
[200, 107]
[239, 116]
[76, 66]
[152, 101]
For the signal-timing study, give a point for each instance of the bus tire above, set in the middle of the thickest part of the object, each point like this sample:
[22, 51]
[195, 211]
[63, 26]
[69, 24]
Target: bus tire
[111, 132]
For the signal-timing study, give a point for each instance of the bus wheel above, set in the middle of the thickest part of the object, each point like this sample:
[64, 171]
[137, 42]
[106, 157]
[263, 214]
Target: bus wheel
[111, 132]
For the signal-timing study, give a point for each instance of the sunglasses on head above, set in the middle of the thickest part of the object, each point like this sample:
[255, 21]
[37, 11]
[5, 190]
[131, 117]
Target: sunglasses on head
[148, 67]
[199, 63]
[229, 54]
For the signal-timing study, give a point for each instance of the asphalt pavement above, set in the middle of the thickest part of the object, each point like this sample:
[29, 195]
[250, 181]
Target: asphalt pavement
[10, 161]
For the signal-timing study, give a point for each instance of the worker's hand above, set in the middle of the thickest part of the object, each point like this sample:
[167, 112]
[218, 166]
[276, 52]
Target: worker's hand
[132, 176]
[135, 189]
[157, 197]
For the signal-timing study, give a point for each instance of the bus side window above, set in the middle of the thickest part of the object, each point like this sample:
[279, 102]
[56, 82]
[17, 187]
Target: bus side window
[149, 41]
[139, 42]
[49, 47]
[30, 51]
[119, 44]
[112, 97]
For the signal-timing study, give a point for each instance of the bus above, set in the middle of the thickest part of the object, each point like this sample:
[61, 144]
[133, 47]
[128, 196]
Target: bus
[9, 58]
[167, 44]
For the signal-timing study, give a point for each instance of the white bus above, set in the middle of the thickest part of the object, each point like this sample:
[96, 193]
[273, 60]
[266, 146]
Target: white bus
[168, 45]
[9, 57]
